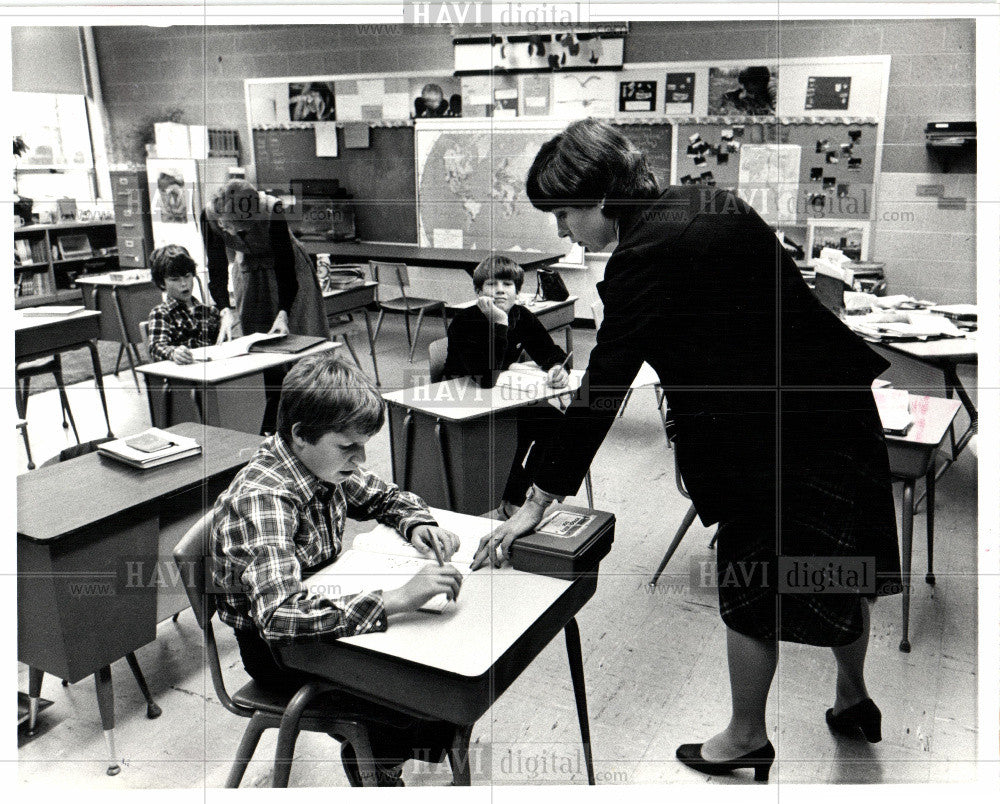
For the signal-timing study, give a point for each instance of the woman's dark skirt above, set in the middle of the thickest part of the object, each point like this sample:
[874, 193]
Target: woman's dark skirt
[796, 569]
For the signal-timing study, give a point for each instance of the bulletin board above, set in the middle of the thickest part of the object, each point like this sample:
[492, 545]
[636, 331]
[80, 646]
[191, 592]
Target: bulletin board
[837, 162]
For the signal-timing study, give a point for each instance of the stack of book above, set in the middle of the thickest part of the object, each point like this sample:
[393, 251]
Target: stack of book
[154, 447]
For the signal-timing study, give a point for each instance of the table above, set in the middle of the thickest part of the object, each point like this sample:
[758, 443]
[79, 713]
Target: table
[453, 666]
[92, 534]
[468, 431]
[355, 298]
[225, 392]
[911, 457]
[944, 355]
[36, 337]
[123, 304]
[555, 316]
[412, 254]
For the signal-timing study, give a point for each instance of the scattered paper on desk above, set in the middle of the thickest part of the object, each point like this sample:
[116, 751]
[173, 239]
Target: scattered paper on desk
[964, 312]
[326, 138]
[893, 409]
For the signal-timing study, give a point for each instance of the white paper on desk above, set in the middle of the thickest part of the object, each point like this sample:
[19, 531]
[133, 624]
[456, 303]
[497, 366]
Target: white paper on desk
[234, 348]
[381, 559]
[893, 409]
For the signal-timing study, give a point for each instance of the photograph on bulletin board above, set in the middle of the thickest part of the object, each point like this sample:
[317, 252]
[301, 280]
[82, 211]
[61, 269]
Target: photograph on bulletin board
[679, 98]
[310, 101]
[749, 90]
[436, 97]
[849, 237]
[828, 92]
[637, 96]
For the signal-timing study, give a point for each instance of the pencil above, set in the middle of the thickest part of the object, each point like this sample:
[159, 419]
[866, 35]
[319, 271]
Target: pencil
[568, 358]
[437, 550]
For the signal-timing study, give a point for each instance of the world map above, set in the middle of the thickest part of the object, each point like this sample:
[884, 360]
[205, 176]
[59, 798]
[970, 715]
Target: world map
[470, 191]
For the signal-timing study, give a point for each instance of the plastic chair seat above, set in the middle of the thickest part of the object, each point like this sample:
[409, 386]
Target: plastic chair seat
[275, 702]
[411, 303]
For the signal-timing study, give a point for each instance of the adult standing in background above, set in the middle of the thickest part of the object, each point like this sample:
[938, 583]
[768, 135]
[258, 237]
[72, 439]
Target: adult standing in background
[776, 431]
[275, 289]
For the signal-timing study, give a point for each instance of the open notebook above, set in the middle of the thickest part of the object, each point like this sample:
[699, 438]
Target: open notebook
[257, 342]
[381, 559]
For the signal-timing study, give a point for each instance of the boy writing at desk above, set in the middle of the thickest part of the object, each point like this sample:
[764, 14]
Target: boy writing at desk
[283, 518]
[486, 339]
[180, 323]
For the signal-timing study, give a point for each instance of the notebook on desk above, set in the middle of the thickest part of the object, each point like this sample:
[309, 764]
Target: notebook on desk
[256, 344]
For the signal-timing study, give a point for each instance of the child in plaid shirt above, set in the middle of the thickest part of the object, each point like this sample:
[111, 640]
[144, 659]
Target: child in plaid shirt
[283, 518]
[181, 322]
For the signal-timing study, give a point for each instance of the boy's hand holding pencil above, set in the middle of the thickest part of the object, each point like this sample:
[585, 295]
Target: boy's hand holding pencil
[430, 539]
[557, 376]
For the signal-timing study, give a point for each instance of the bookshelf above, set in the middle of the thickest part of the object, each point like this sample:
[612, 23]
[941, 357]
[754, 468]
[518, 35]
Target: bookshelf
[49, 257]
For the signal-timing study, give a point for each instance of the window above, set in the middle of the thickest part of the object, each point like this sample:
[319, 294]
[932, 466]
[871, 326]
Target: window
[60, 157]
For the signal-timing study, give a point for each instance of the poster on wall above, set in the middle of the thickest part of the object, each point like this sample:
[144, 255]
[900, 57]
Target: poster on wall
[769, 180]
[637, 96]
[850, 237]
[680, 94]
[583, 94]
[175, 204]
[310, 101]
[436, 97]
[535, 90]
[828, 92]
[373, 99]
[750, 90]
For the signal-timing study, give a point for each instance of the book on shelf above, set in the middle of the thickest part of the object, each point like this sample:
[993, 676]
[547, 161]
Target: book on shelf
[382, 559]
[153, 447]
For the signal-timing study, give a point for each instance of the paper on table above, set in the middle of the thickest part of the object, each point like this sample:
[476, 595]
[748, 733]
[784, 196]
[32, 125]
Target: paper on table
[893, 409]
[234, 348]
[380, 559]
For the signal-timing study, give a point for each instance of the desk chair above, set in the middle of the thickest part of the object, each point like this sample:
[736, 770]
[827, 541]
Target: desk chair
[35, 368]
[403, 304]
[153, 710]
[265, 709]
[144, 331]
[437, 352]
[343, 326]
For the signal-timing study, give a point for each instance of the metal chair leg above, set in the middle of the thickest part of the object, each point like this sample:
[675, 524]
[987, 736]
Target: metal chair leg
[931, 480]
[27, 444]
[675, 543]
[244, 753]
[416, 334]
[288, 732]
[625, 399]
[153, 711]
[378, 327]
[354, 355]
[371, 347]
[589, 485]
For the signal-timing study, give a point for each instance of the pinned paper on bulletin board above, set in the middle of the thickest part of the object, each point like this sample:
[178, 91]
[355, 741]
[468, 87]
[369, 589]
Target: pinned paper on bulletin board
[326, 139]
[680, 94]
[828, 92]
[769, 179]
[357, 135]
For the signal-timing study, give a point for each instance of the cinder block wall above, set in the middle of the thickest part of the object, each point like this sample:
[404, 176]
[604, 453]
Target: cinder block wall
[147, 72]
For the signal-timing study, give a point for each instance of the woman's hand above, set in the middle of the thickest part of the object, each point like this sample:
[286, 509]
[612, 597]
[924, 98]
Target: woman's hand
[493, 313]
[280, 325]
[430, 581]
[494, 547]
[227, 322]
[557, 377]
[424, 536]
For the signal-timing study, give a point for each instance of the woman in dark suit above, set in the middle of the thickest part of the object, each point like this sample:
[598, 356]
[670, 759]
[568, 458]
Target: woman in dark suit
[777, 435]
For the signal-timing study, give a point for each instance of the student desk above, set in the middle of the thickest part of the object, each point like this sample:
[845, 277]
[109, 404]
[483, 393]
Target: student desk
[944, 355]
[354, 298]
[464, 437]
[93, 536]
[36, 337]
[453, 666]
[122, 304]
[223, 393]
[555, 316]
[911, 457]
[413, 254]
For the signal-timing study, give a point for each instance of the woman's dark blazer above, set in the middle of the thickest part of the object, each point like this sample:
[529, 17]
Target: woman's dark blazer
[759, 376]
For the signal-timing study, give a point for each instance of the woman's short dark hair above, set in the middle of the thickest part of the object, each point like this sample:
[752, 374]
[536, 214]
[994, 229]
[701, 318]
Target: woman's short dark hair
[323, 394]
[172, 260]
[589, 163]
[237, 199]
[497, 266]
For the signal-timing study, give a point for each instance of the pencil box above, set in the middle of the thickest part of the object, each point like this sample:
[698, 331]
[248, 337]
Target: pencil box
[567, 543]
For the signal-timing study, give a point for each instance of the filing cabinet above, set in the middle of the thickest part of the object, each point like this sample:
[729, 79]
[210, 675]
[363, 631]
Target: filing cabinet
[130, 196]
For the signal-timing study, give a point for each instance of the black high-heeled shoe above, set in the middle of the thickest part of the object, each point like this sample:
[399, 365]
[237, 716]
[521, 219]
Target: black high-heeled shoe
[760, 759]
[864, 716]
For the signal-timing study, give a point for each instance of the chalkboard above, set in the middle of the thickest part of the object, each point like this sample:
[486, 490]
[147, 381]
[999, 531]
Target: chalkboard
[381, 177]
[656, 142]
